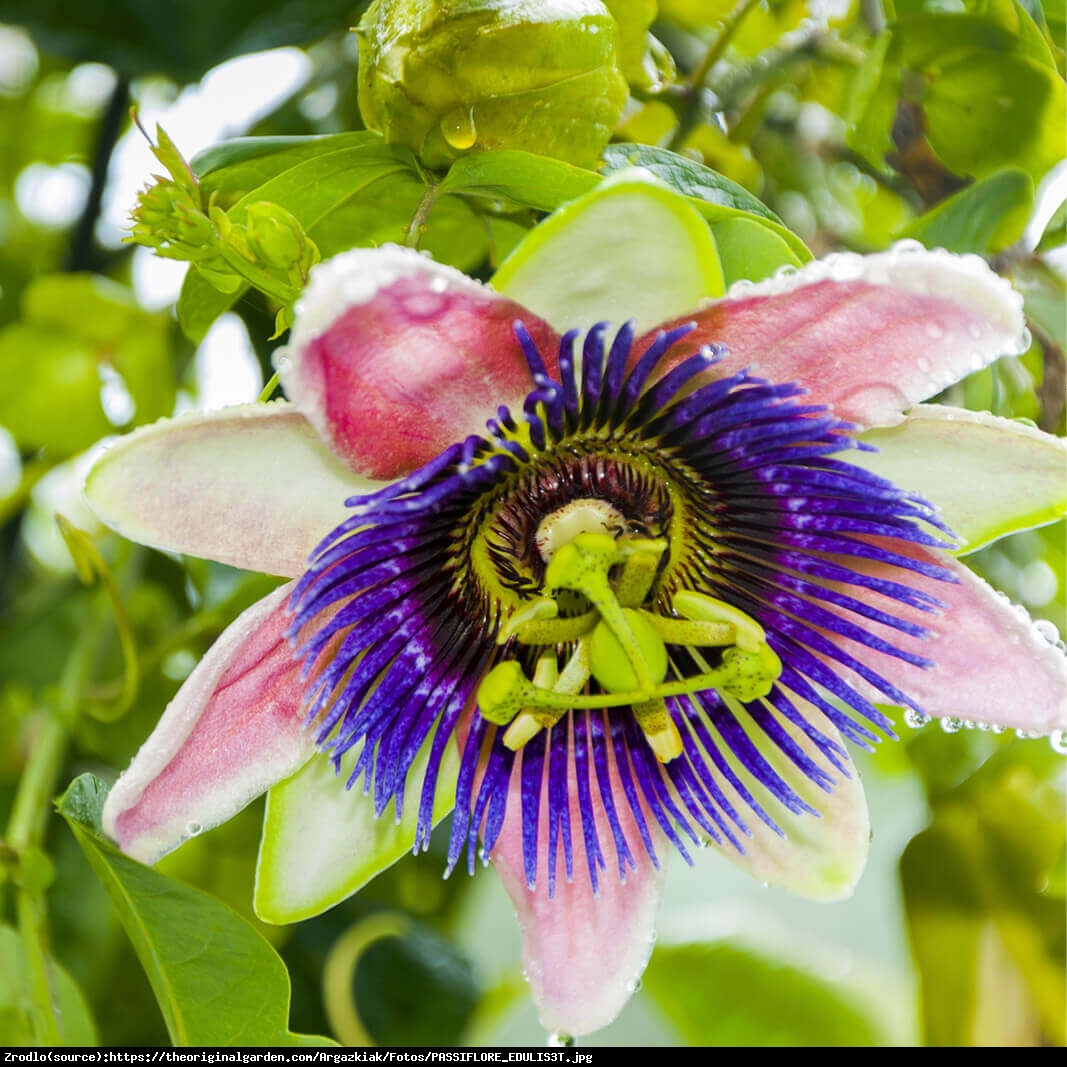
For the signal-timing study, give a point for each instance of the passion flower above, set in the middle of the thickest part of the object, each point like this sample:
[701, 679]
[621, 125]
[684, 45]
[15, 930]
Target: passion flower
[624, 594]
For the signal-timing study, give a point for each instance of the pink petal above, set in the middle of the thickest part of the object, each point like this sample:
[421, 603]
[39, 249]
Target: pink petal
[582, 954]
[394, 357]
[234, 729]
[991, 664]
[870, 335]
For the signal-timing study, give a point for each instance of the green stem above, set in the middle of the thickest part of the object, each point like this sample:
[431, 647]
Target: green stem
[417, 226]
[33, 926]
[717, 48]
[690, 112]
[37, 786]
[29, 819]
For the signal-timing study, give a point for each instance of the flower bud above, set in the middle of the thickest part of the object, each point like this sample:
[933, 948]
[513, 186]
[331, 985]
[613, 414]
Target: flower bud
[445, 76]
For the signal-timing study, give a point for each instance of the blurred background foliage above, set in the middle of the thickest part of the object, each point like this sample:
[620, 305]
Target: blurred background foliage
[857, 124]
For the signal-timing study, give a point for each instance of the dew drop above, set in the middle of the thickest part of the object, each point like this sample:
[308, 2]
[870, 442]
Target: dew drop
[968, 724]
[457, 128]
[1026, 735]
[996, 728]
[951, 725]
[915, 719]
[1047, 629]
[193, 828]
[633, 985]
[558, 1040]
[1058, 740]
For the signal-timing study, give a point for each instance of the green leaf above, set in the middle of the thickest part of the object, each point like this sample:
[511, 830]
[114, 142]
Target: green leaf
[985, 217]
[987, 86]
[215, 978]
[749, 249]
[233, 168]
[726, 992]
[630, 249]
[1055, 234]
[520, 178]
[986, 921]
[413, 989]
[715, 197]
[200, 304]
[16, 1026]
[989, 111]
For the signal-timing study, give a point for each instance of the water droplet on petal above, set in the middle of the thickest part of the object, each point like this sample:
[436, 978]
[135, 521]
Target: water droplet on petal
[1047, 629]
[1058, 740]
[561, 1041]
[1026, 735]
[193, 828]
[633, 985]
[915, 719]
[951, 725]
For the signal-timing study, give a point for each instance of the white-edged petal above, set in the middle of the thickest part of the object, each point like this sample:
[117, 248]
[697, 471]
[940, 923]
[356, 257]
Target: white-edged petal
[252, 486]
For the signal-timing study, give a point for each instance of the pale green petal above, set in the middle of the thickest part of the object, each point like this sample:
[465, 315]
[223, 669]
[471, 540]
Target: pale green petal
[252, 486]
[629, 249]
[988, 476]
[321, 842]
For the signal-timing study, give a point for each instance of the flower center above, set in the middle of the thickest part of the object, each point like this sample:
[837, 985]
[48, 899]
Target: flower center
[616, 652]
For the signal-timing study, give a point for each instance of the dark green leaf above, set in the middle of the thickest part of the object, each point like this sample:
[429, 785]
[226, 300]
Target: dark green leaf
[414, 990]
[140, 37]
[216, 980]
[985, 217]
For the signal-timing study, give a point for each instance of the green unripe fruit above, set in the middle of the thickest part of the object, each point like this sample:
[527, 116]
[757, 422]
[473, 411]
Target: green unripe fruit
[610, 663]
[446, 76]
